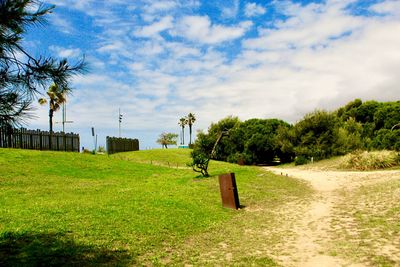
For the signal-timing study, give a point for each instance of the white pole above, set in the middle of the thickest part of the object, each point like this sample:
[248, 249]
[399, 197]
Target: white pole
[119, 120]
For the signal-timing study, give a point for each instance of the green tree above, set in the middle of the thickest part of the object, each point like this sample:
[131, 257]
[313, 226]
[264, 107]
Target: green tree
[226, 146]
[190, 120]
[201, 154]
[252, 141]
[284, 142]
[183, 122]
[260, 139]
[387, 115]
[23, 76]
[349, 137]
[316, 135]
[167, 139]
[57, 96]
[387, 139]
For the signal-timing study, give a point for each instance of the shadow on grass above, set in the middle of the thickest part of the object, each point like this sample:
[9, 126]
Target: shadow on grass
[54, 249]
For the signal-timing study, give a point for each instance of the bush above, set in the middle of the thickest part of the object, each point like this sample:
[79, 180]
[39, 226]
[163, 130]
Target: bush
[87, 151]
[300, 160]
[363, 160]
[240, 158]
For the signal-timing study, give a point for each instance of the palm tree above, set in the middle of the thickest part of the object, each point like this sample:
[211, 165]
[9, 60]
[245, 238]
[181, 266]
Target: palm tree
[57, 96]
[190, 120]
[182, 122]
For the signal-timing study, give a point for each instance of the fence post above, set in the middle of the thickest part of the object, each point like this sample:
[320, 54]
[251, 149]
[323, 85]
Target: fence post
[58, 142]
[9, 134]
[30, 145]
[20, 138]
[40, 140]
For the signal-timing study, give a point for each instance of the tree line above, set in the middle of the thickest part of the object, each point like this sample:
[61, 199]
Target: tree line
[321, 134]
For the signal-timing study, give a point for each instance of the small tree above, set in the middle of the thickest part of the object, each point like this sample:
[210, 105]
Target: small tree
[200, 162]
[202, 154]
[166, 139]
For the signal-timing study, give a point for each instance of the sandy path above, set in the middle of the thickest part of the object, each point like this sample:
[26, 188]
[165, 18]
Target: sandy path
[313, 230]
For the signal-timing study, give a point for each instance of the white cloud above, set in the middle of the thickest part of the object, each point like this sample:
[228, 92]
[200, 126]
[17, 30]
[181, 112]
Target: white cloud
[152, 10]
[62, 24]
[150, 48]
[66, 52]
[157, 6]
[387, 7]
[252, 9]
[230, 9]
[154, 29]
[200, 29]
[312, 25]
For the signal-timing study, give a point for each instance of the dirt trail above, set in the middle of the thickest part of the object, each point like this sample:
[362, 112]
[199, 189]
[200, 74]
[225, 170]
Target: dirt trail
[313, 230]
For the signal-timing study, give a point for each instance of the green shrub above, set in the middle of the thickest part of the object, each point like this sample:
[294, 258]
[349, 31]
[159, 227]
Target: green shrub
[199, 162]
[240, 158]
[301, 160]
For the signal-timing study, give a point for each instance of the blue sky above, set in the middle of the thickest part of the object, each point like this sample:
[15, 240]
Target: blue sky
[160, 60]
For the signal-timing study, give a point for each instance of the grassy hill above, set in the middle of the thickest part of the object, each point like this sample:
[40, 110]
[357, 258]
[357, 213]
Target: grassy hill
[67, 208]
[173, 157]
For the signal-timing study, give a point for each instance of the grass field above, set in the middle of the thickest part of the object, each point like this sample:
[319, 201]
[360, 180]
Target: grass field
[67, 208]
[170, 157]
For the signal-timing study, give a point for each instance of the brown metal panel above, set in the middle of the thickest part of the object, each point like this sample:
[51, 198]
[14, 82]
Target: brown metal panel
[229, 193]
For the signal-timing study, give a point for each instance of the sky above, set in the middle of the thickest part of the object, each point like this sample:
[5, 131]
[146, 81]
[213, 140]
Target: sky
[159, 60]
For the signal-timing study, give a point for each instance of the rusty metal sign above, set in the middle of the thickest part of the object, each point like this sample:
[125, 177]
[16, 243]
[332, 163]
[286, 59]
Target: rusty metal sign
[229, 193]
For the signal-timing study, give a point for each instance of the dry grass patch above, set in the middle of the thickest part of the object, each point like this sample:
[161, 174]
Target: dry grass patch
[374, 160]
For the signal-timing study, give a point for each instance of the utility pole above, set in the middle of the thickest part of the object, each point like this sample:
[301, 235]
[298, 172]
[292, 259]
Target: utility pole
[94, 139]
[64, 117]
[120, 121]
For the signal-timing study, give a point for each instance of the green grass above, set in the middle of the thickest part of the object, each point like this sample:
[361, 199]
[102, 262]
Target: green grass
[67, 208]
[171, 157]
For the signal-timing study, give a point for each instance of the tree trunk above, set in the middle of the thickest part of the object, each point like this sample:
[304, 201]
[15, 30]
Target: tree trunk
[51, 120]
[51, 128]
[183, 135]
[190, 134]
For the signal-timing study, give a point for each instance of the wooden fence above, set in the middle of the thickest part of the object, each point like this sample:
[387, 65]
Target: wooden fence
[115, 145]
[39, 140]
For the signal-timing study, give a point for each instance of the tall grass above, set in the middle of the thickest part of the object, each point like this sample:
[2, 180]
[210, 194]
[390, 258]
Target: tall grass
[374, 160]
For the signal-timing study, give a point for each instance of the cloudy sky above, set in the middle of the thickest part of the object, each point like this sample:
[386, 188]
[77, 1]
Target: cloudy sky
[158, 60]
